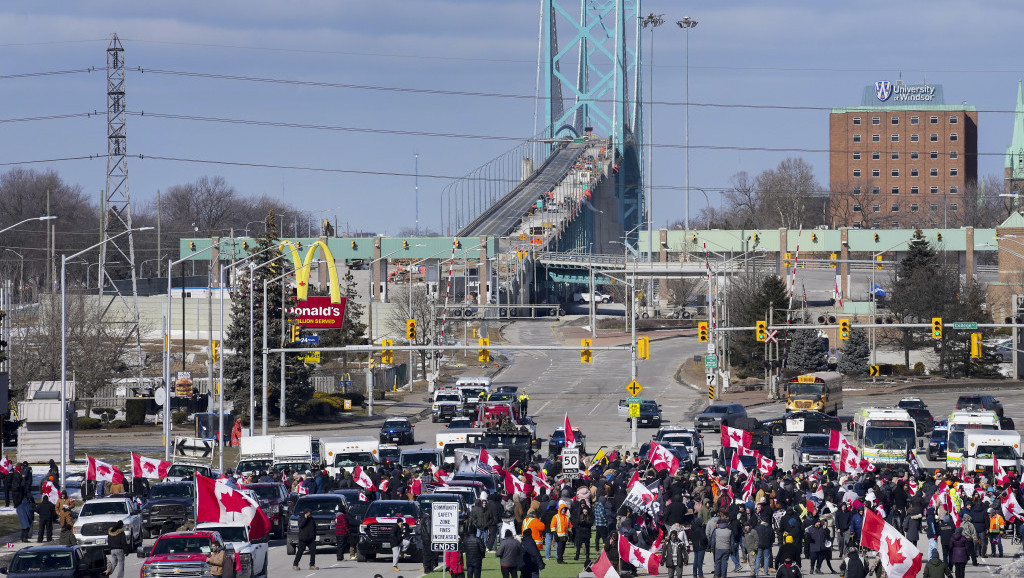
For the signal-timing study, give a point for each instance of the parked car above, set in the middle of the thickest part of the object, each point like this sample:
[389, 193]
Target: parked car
[798, 422]
[650, 414]
[584, 297]
[375, 530]
[460, 423]
[99, 515]
[557, 441]
[398, 430]
[324, 507]
[181, 554]
[712, 416]
[975, 401]
[937, 443]
[685, 436]
[52, 561]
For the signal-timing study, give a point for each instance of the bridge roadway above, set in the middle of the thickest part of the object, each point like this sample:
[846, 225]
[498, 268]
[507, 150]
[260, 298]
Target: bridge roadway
[506, 213]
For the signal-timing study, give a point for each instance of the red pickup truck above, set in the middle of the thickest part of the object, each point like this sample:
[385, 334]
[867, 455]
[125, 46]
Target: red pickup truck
[181, 555]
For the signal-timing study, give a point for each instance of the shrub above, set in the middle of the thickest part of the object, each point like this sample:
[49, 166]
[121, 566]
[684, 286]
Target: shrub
[119, 424]
[179, 417]
[919, 368]
[88, 423]
[135, 411]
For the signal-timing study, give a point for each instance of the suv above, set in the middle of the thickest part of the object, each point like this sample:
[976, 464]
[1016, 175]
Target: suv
[61, 561]
[650, 414]
[812, 449]
[684, 436]
[185, 471]
[167, 507]
[397, 430]
[937, 443]
[713, 415]
[375, 530]
[974, 401]
[274, 499]
[557, 441]
[324, 507]
[181, 554]
[99, 515]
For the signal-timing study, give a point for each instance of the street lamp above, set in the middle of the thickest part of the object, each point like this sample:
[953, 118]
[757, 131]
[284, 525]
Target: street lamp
[687, 23]
[651, 21]
[64, 344]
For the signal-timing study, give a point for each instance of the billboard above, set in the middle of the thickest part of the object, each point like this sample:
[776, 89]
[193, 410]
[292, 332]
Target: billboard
[319, 313]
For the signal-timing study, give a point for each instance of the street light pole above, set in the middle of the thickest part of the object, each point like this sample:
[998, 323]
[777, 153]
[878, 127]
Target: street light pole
[64, 346]
[687, 23]
[651, 21]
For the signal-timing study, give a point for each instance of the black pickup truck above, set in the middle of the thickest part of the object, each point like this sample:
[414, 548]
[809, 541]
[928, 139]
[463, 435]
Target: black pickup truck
[167, 507]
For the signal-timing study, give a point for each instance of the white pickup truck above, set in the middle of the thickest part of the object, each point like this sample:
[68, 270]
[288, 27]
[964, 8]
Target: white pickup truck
[585, 297]
[237, 537]
[99, 515]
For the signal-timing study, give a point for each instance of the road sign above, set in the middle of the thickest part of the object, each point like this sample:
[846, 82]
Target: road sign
[189, 447]
[965, 325]
[772, 336]
[634, 388]
[310, 357]
[570, 459]
[444, 526]
[309, 339]
[348, 404]
[634, 410]
[633, 400]
[873, 371]
[710, 361]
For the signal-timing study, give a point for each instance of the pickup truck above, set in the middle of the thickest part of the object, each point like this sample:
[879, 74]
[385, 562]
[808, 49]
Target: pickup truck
[101, 514]
[52, 561]
[276, 502]
[375, 530]
[167, 507]
[585, 297]
[251, 553]
[324, 508]
[183, 555]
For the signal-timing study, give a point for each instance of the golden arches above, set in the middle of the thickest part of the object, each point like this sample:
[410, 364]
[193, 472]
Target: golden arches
[302, 269]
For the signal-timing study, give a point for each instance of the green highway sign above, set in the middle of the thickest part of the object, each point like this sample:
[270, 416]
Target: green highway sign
[710, 361]
[965, 325]
[632, 400]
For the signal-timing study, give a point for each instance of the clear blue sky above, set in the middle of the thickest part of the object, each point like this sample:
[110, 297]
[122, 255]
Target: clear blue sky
[774, 54]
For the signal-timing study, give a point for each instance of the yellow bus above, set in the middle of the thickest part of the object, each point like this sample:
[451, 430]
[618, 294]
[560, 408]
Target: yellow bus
[819, 391]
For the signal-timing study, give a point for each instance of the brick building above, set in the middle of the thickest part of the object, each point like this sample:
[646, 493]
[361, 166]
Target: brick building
[902, 159]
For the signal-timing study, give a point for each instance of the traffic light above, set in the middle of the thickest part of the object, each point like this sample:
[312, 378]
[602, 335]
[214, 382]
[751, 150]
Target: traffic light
[878, 263]
[405, 244]
[353, 244]
[757, 238]
[844, 329]
[483, 355]
[936, 328]
[876, 237]
[762, 331]
[245, 245]
[586, 356]
[702, 332]
[410, 329]
[295, 333]
[388, 355]
[787, 260]
[693, 237]
[938, 237]
[814, 237]
[976, 345]
[3, 342]
[215, 353]
[643, 348]
[458, 244]
[192, 245]
[832, 258]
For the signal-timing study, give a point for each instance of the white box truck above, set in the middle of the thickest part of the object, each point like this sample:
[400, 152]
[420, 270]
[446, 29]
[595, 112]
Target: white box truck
[255, 454]
[981, 446]
[345, 453]
[294, 452]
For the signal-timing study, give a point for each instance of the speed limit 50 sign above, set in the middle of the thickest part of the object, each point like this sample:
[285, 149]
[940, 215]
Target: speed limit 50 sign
[570, 459]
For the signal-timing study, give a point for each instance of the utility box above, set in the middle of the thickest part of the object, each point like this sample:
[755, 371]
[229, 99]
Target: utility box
[40, 415]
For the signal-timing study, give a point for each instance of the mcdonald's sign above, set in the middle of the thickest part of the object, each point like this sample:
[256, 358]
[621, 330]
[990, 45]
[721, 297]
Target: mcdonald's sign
[319, 313]
[303, 267]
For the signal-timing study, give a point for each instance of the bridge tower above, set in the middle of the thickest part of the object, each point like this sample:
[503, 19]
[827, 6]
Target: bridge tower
[592, 83]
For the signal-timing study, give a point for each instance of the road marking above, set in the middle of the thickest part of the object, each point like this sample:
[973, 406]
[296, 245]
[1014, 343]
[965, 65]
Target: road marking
[539, 411]
[595, 408]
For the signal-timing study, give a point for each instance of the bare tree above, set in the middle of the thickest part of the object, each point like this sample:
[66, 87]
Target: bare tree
[427, 322]
[789, 195]
[681, 291]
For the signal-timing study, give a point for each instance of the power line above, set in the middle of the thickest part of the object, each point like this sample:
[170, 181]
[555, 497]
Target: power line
[53, 160]
[49, 73]
[50, 117]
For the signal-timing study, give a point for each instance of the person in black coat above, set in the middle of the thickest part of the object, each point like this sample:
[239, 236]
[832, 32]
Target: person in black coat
[17, 486]
[47, 515]
[475, 551]
[699, 541]
[532, 562]
[307, 540]
[853, 566]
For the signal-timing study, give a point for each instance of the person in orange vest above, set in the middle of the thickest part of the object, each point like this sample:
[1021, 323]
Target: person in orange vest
[533, 527]
[561, 525]
[996, 524]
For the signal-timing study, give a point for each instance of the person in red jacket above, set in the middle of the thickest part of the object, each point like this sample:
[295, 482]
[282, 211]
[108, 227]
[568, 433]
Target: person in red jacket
[341, 532]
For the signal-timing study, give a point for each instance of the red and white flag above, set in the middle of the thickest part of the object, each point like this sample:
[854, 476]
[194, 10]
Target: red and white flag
[538, 481]
[440, 475]
[487, 462]
[765, 465]
[384, 485]
[999, 475]
[360, 477]
[220, 503]
[634, 479]
[836, 442]
[102, 471]
[49, 490]
[514, 484]
[849, 461]
[1011, 509]
[899, 556]
[5, 465]
[638, 557]
[570, 437]
[363, 498]
[149, 468]
[662, 459]
[603, 567]
[748, 490]
[736, 465]
[735, 438]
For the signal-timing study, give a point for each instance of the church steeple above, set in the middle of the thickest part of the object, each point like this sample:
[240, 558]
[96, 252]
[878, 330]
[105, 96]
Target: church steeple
[1015, 152]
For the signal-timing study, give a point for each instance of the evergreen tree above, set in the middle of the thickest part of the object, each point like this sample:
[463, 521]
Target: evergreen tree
[853, 359]
[806, 351]
[967, 304]
[239, 338]
[749, 298]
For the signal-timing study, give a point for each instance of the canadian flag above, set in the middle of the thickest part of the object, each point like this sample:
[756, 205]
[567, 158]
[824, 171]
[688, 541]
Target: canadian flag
[662, 459]
[440, 475]
[514, 484]
[301, 490]
[736, 465]
[538, 481]
[384, 485]
[360, 477]
[836, 442]
[603, 567]
[487, 462]
[748, 489]
[634, 479]
[49, 490]
[899, 556]
[767, 466]
[219, 503]
[998, 473]
[570, 437]
[638, 557]
[1011, 509]
[363, 498]
[849, 461]
[735, 438]
[5, 465]
[148, 467]
[102, 471]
